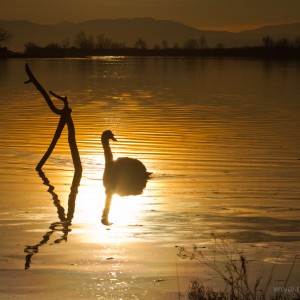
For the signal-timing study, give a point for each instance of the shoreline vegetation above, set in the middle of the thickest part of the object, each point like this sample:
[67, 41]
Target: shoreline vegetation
[84, 45]
[286, 53]
[228, 263]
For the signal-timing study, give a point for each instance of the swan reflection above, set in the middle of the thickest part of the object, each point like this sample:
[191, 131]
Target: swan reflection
[62, 226]
[125, 176]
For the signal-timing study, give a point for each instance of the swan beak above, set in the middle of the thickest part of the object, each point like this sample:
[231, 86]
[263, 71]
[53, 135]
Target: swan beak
[114, 139]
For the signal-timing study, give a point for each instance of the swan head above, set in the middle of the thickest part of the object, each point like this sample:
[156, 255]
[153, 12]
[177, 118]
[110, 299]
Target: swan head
[108, 135]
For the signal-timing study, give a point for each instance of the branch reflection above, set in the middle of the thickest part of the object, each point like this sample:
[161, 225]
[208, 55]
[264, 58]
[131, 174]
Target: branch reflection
[62, 226]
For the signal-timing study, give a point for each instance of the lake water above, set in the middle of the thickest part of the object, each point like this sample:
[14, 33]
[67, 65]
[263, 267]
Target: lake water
[221, 136]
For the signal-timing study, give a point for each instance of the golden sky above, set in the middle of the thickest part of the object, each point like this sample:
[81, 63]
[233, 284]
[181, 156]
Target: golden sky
[230, 15]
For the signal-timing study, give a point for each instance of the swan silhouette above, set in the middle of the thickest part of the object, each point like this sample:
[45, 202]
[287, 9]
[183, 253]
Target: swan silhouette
[124, 176]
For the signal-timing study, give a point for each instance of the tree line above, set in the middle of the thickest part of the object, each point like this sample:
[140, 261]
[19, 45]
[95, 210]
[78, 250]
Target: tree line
[87, 44]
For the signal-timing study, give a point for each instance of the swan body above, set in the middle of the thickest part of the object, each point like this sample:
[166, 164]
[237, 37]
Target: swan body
[124, 176]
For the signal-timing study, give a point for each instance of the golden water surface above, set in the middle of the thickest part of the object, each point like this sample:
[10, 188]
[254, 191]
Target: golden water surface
[222, 138]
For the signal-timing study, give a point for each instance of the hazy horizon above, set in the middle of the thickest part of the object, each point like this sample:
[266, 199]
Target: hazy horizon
[200, 14]
[128, 30]
[250, 27]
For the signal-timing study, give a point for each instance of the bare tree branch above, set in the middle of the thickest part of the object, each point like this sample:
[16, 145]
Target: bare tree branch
[39, 87]
[65, 118]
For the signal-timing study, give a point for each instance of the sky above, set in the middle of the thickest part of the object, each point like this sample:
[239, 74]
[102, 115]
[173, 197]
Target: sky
[231, 15]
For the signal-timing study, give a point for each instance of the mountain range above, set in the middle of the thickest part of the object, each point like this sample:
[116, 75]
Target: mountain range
[129, 30]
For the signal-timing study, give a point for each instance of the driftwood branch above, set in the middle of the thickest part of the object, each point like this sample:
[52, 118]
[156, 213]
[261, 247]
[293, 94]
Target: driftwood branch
[52, 145]
[39, 87]
[65, 118]
[64, 98]
[65, 220]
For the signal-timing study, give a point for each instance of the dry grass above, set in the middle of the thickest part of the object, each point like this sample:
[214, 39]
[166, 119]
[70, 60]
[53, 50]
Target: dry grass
[228, 262]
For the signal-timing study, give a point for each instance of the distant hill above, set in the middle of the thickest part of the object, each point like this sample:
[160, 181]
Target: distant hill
[129, 30]
[289, 31]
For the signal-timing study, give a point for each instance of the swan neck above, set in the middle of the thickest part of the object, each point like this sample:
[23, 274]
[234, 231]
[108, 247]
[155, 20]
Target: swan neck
[107, 151]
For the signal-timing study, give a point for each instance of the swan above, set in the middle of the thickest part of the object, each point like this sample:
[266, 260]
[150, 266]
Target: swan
[124, 176]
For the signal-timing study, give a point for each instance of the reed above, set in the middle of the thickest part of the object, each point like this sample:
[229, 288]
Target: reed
[228, 263]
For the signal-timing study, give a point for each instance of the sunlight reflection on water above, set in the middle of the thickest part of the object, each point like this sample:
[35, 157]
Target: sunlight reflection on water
[220, 136]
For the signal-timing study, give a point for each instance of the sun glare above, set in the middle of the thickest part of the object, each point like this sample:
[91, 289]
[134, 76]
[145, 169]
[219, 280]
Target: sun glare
[90, 204]
[125, 212]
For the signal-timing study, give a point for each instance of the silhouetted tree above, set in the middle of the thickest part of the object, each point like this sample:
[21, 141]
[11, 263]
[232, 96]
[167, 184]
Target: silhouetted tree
[220, 46]
[53, 46]
[297, 41]
[283, 43]
[191, 44]
[268, 42]
[82, 41]
[140, 44]
[66, 43]
[5, 36]
[103, 42]
[31, 47]
[164, 44]
[116, 45]
[176, 46]
[203, 42]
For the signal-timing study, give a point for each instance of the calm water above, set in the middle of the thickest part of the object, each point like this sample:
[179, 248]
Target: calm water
[222, 138]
